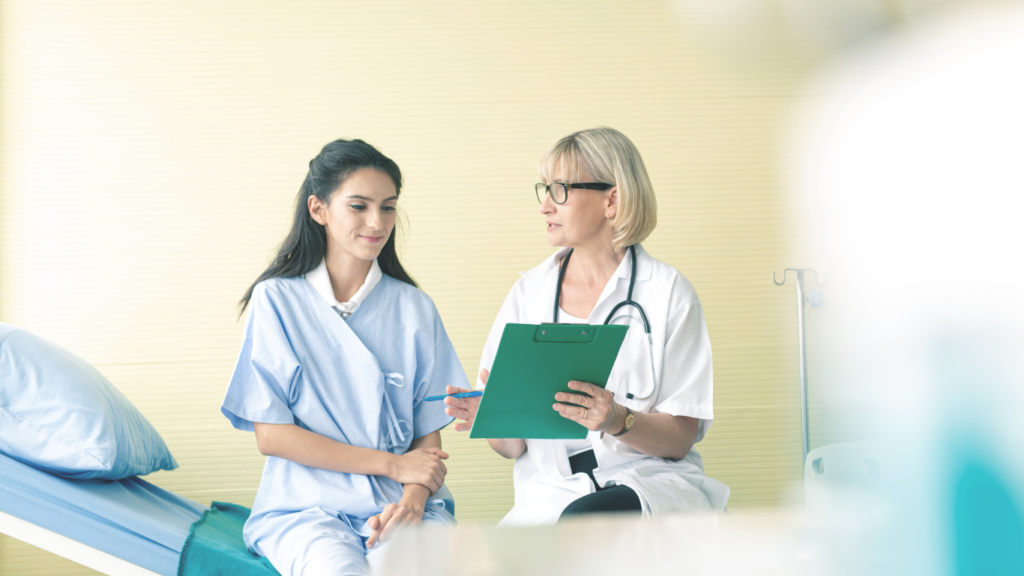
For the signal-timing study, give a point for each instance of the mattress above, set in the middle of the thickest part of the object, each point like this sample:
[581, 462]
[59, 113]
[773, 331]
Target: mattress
[131, 519]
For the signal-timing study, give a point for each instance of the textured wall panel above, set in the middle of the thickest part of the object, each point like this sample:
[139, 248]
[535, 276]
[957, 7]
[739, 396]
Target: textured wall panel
[151, 152]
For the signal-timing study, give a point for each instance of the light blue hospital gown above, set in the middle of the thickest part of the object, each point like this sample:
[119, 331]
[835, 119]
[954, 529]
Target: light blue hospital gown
[361, 382]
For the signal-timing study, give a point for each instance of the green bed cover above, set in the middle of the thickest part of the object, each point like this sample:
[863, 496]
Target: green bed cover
[215, 545]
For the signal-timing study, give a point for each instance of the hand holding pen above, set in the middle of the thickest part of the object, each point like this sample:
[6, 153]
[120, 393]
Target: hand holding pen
[463, 403]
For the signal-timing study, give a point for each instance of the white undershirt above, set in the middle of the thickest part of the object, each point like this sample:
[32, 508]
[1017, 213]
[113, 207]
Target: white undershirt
[574, 447]
[320, 280]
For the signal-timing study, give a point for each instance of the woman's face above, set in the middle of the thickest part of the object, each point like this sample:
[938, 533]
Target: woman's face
[361, 214]
[585, 217]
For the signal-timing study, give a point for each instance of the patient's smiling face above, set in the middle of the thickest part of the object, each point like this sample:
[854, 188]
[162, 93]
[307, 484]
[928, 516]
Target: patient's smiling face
[361, 214]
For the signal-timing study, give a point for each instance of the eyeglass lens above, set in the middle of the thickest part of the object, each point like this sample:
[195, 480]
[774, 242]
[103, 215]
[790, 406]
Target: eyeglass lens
[556, 190]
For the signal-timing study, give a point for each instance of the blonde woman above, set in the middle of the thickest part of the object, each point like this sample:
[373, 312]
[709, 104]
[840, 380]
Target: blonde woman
[598, 205]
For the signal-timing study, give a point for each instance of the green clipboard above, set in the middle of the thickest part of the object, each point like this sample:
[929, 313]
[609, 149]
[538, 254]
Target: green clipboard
[533, 363]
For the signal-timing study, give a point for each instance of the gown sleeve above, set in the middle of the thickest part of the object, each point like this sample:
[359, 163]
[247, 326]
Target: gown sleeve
[686, 385]
[266, 370]
[445, 369]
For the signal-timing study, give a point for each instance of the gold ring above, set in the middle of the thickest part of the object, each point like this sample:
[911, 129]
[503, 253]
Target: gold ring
[586, 411]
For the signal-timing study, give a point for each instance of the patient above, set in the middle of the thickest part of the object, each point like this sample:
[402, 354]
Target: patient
[340, 350]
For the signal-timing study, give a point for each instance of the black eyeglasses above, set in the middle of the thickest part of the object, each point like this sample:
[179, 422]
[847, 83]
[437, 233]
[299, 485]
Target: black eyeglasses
[560, 192]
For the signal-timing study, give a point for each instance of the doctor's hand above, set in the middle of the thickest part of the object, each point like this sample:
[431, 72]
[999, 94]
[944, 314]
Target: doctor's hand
[598, 411]
[463, 408]
[422, 466]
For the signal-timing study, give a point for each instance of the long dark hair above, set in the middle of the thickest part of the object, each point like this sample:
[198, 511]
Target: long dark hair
[306, 243]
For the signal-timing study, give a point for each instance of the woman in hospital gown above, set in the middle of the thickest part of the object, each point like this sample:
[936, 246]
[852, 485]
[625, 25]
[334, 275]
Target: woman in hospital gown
[340, 350]
[638, 457]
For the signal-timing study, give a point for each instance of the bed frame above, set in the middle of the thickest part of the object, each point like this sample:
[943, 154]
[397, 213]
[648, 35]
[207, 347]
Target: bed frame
[71, 549]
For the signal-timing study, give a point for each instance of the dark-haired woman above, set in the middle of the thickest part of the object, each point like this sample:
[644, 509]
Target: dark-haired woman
[340, 350]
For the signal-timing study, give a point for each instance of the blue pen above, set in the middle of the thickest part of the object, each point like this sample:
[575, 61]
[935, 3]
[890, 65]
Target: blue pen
[473, 394]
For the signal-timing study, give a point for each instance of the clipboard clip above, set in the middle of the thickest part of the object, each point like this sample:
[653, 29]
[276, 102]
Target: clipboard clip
[565, 333]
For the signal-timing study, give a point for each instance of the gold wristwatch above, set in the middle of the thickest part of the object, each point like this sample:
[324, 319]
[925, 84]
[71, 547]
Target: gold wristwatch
[630, 418]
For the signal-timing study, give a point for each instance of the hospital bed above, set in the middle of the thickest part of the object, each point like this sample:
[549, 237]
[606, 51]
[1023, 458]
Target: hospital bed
[125, 527]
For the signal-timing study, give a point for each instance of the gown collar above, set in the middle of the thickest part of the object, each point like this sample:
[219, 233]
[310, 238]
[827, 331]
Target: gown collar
[320, 280]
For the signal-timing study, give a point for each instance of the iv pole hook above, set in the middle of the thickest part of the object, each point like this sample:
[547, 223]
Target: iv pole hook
[799, 272]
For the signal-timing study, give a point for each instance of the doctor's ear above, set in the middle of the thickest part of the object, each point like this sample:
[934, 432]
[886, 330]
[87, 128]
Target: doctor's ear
[316, 210]
[611, 207]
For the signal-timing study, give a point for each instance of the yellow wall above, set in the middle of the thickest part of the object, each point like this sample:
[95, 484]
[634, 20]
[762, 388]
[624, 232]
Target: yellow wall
[151, 152]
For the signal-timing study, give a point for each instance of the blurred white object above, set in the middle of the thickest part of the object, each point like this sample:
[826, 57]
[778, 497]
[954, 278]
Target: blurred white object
[763, 543]
[746, 26]
[815, 298]
[912, 155]
[838, 469]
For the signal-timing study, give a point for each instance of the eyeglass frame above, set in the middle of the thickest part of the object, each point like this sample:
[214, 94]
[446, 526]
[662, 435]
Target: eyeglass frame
[601, 186]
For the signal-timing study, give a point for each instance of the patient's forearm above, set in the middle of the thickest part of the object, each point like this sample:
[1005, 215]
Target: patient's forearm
[432, 440]
[299, 445]
[415, 496]
[508, 447]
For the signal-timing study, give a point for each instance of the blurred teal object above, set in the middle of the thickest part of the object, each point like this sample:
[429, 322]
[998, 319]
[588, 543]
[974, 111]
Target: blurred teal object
[987, 524]
[982, 483]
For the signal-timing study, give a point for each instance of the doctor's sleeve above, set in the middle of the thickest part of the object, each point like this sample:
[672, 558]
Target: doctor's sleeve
[265, 371]
[687, 381]
[445, 369]
[507, 313]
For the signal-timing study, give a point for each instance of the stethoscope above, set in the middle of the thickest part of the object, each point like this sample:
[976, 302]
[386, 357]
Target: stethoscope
[627, 302]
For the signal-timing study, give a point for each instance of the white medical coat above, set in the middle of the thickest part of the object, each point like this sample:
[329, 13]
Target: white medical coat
[544, 483]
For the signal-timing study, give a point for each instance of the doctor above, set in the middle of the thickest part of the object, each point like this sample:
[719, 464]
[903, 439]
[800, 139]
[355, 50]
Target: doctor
[639, 456]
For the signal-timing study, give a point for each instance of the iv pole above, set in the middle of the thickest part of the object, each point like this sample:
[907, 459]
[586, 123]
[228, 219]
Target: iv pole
[815, 301]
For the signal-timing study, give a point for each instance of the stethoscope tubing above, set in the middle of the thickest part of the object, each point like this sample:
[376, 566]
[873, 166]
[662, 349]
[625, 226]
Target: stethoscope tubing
[627, 302]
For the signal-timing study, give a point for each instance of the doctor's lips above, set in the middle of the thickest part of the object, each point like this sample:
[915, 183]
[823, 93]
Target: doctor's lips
[552, 225]
[372, 239]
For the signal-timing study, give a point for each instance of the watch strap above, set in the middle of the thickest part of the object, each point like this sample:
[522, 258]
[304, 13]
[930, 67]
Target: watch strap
[630, 418]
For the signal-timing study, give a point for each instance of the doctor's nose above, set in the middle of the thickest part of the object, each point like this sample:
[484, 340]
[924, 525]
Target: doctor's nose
[547, 206]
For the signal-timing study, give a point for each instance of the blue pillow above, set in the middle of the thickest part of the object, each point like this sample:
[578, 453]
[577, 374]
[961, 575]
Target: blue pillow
[61, 415]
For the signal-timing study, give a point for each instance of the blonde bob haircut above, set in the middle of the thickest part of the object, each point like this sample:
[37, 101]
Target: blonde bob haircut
[606, 155]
